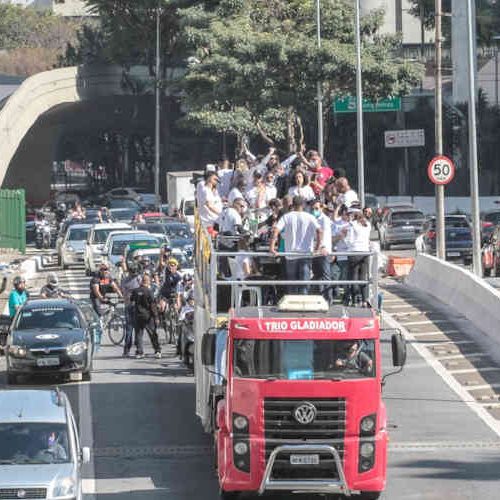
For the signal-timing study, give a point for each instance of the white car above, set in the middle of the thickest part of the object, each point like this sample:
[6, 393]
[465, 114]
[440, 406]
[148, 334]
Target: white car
[40, 455]
[117, 242]
[124, 192]
[95, 243]
[72, 247]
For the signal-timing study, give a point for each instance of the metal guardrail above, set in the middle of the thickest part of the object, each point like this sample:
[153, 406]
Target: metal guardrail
[13, 219]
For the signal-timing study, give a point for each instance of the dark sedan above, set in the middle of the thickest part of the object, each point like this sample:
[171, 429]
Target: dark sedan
[50, 337]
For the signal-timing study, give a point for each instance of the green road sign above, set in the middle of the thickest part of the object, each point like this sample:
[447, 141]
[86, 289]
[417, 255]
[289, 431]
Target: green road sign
[348, 105]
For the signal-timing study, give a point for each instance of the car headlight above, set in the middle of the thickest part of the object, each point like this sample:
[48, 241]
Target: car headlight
[17, 350]
[367, 425]
[70, 248]
[366, 450]
[240, 422]
[76, 349]
[241, 448]
[65, 488]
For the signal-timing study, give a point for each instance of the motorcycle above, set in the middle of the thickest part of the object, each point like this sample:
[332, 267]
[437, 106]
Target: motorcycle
[186, 340]
[43, 237]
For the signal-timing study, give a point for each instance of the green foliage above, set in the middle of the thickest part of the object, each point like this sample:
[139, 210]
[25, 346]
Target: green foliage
[253, 56]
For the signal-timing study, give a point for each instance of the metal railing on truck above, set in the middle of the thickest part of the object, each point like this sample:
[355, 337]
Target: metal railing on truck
[13, 219]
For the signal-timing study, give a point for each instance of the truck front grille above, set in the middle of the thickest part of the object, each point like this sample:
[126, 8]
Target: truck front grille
[26, 493]
[281, 428]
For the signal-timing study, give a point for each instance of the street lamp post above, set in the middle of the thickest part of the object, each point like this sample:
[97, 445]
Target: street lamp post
[473, 166]
[496, 39]
[157, 110]
[319, 95]
[359, 108]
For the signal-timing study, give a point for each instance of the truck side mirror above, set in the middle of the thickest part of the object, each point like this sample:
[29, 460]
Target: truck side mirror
[398, 350]
[208, 349]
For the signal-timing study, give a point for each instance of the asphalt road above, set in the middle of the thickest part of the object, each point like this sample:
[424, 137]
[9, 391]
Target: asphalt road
[138, 417]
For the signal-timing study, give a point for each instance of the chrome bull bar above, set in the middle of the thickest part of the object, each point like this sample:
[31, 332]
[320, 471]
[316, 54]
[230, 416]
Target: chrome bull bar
[306, 485]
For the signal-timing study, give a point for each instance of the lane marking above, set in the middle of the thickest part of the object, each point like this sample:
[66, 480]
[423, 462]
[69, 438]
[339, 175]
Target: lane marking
[460, 356]
[441, 445]
[118, 485]
[460, 390]
[427, 322]
[435, 332]
[444, 342]
[482, 387]
[473, 370]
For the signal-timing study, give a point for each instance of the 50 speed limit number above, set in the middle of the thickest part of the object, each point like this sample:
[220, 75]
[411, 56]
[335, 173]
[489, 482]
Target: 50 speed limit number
[441, 170]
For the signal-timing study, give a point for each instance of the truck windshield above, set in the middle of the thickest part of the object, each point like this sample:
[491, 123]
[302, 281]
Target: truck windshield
[304, 359]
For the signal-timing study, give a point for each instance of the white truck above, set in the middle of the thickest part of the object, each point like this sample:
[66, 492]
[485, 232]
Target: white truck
[181, 193]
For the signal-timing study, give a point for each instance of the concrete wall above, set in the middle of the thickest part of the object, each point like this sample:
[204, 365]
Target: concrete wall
[37, 96]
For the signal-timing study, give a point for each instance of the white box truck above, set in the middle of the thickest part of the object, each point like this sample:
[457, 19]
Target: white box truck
[181, 193]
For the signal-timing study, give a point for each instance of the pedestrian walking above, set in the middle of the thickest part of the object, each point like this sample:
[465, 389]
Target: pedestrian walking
[146, 317]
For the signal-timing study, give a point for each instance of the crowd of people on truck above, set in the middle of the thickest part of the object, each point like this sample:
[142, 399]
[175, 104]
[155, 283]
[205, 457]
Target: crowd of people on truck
[293, 205]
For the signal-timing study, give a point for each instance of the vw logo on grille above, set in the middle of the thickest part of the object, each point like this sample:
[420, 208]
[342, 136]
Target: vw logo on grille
[305, 413]
[46, 350]
[21, 493]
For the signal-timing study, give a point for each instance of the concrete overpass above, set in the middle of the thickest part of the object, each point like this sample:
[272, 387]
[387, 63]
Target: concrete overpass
[49, 105]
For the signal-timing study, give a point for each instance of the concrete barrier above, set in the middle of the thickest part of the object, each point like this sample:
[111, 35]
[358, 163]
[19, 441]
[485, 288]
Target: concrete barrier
[460, 289]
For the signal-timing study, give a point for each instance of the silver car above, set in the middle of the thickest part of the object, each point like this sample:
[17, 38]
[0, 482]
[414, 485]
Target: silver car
[72, 247]
[40, 453]
[400, 225]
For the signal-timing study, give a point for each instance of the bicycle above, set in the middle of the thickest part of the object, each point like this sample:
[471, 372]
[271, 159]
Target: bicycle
[113, 323]
[169, 319]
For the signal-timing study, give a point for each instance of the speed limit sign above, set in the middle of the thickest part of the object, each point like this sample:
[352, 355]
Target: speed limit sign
[441, 170]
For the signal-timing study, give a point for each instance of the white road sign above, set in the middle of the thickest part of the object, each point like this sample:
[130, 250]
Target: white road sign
[404, 138]
[441, 170]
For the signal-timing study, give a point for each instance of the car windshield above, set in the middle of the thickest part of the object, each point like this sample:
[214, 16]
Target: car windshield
[101, 235]
[78, 234]
[304, 359]
[123, 203]
[33, 443]
[123, 214]
[403, 216]
[48, 317]
[456, 223]
[151, 228]
[178, 231]
[119, 246]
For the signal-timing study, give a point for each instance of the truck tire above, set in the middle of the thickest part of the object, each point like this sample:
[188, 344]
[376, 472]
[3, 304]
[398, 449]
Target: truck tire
[229, 495]
[369, 495]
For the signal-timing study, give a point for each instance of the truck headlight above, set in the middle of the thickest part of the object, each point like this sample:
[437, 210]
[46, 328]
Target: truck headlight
[65, 488]
[76, 349]
[367, 425]
[240, 422]
[241, 448]
[17, 350]
[366, 450]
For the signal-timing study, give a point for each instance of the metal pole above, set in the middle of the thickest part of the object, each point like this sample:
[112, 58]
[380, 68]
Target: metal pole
[473, 164]
[438, 117]
[319, 96]
[359, 108]
[496, 75]
[157, 110]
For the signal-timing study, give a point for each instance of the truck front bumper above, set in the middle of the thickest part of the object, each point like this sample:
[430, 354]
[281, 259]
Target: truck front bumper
[338, 486]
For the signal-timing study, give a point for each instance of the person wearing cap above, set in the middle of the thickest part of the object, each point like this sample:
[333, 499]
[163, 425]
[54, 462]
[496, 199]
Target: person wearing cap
[100, 285]
[51, 289]
[209, 200]
[18, 296]
[301, 233]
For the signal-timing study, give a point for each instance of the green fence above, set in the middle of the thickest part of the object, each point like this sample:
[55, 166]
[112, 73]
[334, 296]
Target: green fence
[12, 219]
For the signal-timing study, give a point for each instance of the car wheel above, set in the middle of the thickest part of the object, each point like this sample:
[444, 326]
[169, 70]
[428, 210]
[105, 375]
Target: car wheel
[11, 379]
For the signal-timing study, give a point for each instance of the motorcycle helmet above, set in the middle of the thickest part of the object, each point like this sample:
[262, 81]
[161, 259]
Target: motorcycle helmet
[52, 279]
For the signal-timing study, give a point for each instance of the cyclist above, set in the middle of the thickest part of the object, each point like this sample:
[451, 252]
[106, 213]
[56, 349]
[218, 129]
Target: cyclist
[130, 282]
[51, 289]
[101, 285]
[169, 294]
[18, 296]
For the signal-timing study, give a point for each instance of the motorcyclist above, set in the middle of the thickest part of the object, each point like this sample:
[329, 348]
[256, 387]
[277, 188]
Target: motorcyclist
[18, 296]
[61, 212]
[100, 285]
[51, 289]
[42, 228]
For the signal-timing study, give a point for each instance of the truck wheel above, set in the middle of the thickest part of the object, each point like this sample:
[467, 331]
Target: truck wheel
[369, 495]
[229, 495]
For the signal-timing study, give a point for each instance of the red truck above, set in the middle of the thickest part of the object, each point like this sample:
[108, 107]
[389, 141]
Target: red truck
[302, 409]
[291, 392]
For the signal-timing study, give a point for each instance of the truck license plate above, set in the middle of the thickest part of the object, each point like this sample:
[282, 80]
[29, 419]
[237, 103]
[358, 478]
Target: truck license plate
[304, 459]
[54, 361]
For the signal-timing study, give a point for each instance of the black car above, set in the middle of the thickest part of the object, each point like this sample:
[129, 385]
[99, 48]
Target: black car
[51, 337]
[458, 237]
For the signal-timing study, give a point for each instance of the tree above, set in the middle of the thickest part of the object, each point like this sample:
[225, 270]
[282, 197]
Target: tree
[255, 63]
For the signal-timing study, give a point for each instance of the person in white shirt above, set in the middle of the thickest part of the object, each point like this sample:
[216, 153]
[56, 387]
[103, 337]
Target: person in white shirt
[209, 201]
[226, 174]
[358, 240]
[258, 197]
[271, 191]
[347, 196]
[301, 188]
[239, 187]
[301, 232]
[321, 264]
[340, 227]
